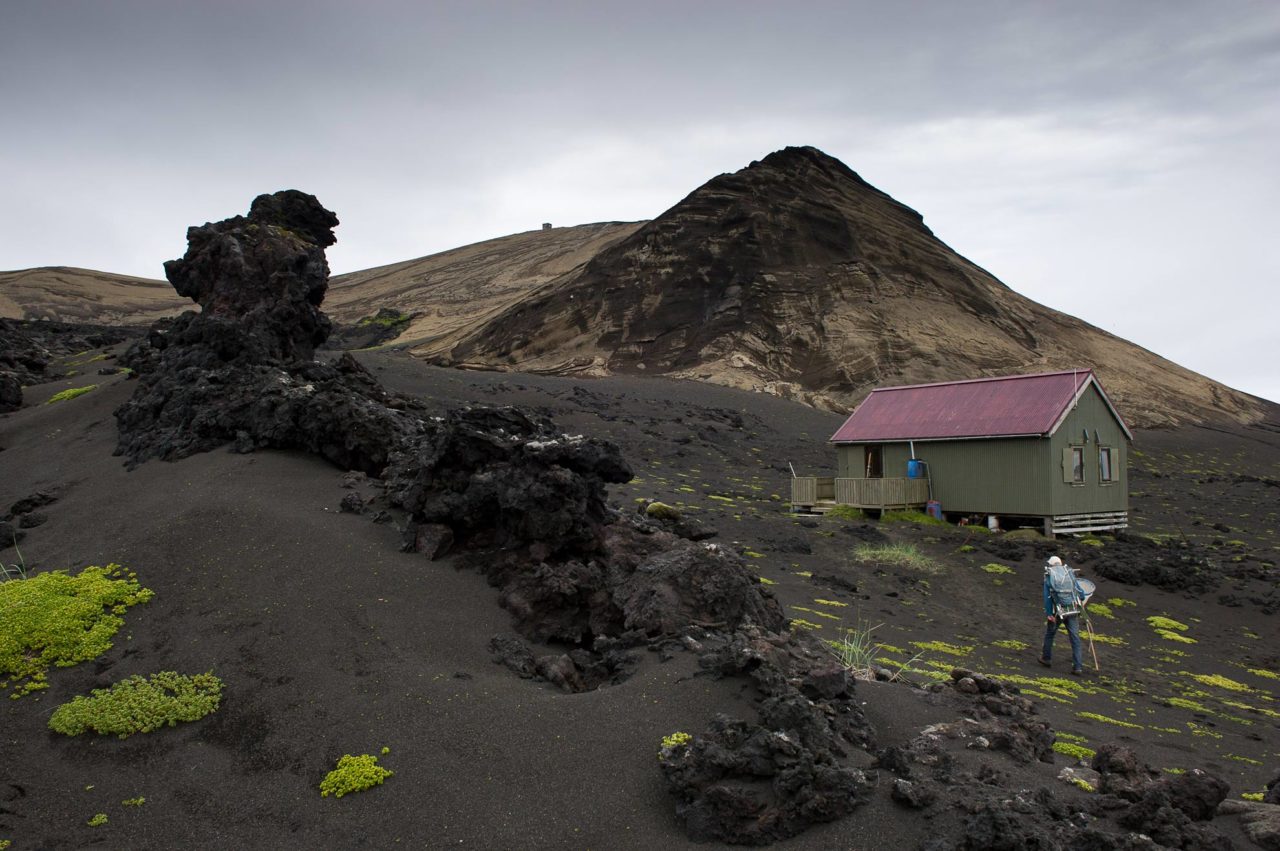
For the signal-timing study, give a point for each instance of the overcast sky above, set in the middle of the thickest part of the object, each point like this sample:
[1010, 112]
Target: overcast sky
[1116, 161]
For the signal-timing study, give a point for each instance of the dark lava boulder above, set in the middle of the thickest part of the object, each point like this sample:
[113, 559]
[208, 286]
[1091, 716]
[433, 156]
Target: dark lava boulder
[500, 477]
[751, 785]
[10, 392]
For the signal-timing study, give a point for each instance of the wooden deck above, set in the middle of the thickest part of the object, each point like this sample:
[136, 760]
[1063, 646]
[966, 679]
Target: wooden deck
[822, 493]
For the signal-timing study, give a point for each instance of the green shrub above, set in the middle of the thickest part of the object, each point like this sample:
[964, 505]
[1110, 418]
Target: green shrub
[70, 393]
[139, 705]
[353, 774]
[846, 512]
[58, 619]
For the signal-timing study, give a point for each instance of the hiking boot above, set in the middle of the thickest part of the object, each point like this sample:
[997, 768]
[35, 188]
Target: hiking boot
[1044, 661]
[1077, 672]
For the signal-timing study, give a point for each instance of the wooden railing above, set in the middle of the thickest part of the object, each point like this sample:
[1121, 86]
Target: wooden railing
[860, 493]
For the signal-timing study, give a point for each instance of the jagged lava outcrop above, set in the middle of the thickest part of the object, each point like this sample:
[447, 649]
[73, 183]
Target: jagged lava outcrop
[794, 276]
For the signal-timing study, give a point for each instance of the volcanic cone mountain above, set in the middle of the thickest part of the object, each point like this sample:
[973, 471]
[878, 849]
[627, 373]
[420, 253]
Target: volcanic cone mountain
[796, 277]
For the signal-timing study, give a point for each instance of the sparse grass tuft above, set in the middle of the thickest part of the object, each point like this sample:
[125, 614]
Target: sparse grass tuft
[846, 512]
[353, 774]
[55, 619]
[139, 705]
[899, 555]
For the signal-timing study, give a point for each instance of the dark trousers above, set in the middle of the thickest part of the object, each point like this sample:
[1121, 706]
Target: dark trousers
[1072, 623]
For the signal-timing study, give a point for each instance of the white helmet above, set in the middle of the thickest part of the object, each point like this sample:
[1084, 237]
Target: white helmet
[1055, 561]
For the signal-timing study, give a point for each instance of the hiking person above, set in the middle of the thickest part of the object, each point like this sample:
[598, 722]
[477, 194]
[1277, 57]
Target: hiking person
[1064, 600]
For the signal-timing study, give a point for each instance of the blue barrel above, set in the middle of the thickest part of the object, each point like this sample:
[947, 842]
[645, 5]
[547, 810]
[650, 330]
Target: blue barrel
[915, 469]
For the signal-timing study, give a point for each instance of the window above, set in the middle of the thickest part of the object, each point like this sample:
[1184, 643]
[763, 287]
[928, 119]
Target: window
[1077, 464]
[1106, 469]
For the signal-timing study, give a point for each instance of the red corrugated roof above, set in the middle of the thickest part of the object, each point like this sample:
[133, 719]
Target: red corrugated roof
[983, 407]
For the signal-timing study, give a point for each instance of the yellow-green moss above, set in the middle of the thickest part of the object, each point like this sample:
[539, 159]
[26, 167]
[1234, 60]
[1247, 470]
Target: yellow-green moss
[1102, 610]
[677, 739]
[1081, 783]
[98, 820]
[1105, 720]
[1011, 644]
[1162, 623]
[134, 802]
[1220, 681]
[1073, 750]
[1253, 796]
[1170, 635]
[1120, 602]
[997, 568]
[353, 774]
[836, 603]
[800, 623]
[55, 619]
[139, 705]
[943, 647]
[70, 393]
[661, 511]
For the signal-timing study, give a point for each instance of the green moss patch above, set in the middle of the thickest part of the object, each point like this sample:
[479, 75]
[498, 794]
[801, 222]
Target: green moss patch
[139, 705]
[1094, 716]
[997, 568]
[1011, 644]
[353, 774]
[846, 512]
[55, 619]
[1102, 610]
[1162, 623]
[70, 393]
[1073, 750]
[943, 647]
[1219, 681]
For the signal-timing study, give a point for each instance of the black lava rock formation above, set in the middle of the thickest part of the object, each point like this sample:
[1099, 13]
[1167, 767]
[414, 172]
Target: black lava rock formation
[753, 783]
[241, 370]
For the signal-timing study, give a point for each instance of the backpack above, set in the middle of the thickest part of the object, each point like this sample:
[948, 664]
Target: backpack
[1062, 589]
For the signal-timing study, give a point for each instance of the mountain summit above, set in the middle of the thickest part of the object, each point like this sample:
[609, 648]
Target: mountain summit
[795, 276]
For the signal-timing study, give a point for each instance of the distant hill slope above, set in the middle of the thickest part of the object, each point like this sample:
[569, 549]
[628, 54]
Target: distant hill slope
[794, 276]
[453, 292]
[67, 294]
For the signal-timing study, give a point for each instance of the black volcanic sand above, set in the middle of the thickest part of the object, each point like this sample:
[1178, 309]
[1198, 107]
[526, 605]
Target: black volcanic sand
[330, 641]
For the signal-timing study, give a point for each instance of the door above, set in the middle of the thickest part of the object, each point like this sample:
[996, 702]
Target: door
[874, 462]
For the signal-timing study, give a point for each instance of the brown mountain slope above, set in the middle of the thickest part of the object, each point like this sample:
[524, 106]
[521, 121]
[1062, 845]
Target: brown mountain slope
[68, 294]
[794, 276]
[453, 292]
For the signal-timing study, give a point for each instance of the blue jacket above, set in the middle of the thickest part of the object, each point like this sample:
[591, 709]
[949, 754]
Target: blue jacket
[1048, 593]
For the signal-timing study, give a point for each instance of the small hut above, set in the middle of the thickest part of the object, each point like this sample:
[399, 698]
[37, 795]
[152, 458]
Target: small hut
[1049, 447]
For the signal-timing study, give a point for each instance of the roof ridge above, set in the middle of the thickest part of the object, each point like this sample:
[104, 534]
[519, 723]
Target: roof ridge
[1081, 371]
